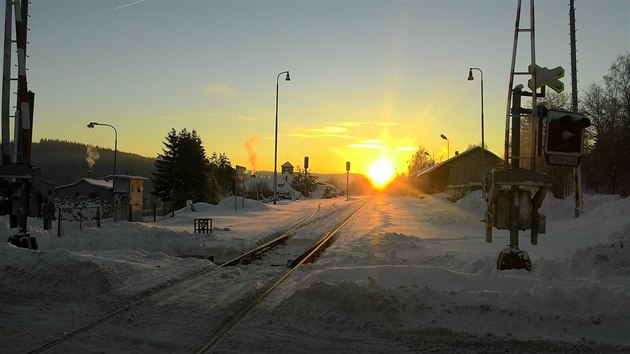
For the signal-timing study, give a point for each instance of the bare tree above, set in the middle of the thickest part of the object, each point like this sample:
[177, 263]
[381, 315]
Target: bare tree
[420, 160]
[606, 166]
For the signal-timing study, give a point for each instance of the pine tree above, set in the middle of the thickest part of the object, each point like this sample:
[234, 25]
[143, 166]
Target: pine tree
[164, 174]
[181, 171]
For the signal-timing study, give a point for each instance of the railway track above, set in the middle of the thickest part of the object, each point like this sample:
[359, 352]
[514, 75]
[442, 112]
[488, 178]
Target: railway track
[307, 256]
[293, 247]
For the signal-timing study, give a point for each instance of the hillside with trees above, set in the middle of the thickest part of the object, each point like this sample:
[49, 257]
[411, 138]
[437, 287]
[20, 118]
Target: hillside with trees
[63, 162]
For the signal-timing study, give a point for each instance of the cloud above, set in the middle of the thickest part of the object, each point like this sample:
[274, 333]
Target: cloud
[345, 130]
[330, 130]
[220, 89]
[371, 141]
[364, 146]
[327, 132]
[367, 144]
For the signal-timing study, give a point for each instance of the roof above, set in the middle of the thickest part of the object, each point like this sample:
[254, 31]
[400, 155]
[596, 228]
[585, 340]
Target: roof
[430, 169]
[98, 183]
[108, 177]
[287, 164]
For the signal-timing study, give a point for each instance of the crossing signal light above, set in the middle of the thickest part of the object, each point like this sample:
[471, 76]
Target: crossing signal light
[564, 141]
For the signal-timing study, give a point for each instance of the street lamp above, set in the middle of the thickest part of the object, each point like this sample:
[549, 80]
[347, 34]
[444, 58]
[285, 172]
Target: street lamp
[448, 145]
[483, 145]
[92, 124]
[275, 145]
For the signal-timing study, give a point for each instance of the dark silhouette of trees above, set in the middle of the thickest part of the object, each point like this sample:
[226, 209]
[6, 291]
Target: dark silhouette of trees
[64, 162]
[181, 171]
[605, 167]
[222, 177]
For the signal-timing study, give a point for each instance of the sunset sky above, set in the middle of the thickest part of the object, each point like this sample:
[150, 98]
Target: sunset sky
[369, 79]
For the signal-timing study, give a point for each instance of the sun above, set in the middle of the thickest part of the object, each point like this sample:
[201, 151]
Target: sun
[381, 172]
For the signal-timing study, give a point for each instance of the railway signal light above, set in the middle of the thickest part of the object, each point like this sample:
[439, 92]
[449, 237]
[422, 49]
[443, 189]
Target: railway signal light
[564, 140]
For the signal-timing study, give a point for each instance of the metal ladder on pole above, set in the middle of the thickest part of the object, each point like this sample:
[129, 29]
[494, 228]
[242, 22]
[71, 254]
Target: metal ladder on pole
[531, 72]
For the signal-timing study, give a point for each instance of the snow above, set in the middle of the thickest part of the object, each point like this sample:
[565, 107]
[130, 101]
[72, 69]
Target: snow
[408, 274]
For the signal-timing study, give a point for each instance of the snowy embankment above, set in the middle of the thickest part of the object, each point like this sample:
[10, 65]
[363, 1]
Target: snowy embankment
[405, 267]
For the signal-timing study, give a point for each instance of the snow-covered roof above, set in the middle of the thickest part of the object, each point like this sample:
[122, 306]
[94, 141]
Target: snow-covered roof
[430, 169]
[125, 177]
[98, 183]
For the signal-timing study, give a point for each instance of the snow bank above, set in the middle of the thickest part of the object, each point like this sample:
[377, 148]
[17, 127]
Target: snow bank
[404, 265]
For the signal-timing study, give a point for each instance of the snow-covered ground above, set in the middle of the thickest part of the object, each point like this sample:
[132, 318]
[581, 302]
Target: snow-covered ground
[406, 275]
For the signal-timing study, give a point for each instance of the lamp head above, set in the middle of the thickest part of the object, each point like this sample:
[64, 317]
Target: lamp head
[287, 78]
[470, 77]
[91, 125]
[443, 137]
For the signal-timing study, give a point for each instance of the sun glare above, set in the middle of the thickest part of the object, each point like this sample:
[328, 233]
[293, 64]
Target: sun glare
[381, 172]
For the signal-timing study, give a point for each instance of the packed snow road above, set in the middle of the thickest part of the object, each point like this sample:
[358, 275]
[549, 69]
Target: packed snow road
[407, 275]
[412, 275]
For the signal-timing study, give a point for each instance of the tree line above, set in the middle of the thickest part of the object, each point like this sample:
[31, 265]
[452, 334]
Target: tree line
[183, 171]
[63, 162]
[606, 168]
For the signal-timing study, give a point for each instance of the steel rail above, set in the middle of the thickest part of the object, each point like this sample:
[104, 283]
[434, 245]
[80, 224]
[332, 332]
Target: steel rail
[268, 245]
[310, 255]
[151, 293]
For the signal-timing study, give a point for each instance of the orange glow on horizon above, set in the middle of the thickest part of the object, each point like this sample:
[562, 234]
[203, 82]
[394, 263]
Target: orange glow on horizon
[381, 173]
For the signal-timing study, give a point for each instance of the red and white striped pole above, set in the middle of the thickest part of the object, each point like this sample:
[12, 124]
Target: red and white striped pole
[23, 96]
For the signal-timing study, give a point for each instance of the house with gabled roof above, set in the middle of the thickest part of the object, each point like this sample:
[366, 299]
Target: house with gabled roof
[463, 169]
[125, 193]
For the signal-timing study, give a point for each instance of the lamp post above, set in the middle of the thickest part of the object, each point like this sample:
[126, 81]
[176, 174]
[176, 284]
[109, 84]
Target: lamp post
[448, 145]
[483, 145]
[92, 124]
[275, 145]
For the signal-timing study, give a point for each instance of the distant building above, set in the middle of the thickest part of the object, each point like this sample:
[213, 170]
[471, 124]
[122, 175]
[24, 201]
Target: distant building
[125, 193]
[87, 187]
[285, 180]
[460, 170]
[128, 196]
[287, 167]
[260, 186]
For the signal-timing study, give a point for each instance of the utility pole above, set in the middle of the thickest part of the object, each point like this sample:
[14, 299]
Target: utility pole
[6, 83]
[577, 171]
